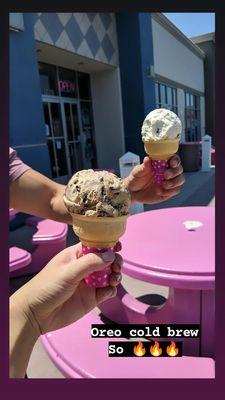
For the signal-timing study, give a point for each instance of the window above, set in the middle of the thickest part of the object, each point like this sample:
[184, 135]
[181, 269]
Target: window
[48, 79]
[67, 83]
[166, 97]
[68, 118]
[192, 117]
[84, 86]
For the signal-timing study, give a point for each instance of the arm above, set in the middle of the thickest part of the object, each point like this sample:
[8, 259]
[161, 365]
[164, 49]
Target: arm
[23, 337]
[56, 297]
[34, 193]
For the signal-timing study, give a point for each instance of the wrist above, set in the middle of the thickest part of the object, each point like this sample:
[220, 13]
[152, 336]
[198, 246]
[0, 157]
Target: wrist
[23, 317]
[23, 336]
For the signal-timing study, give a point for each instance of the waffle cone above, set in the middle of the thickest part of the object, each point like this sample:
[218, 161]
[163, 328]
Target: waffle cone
[162, 149]
[101, 232]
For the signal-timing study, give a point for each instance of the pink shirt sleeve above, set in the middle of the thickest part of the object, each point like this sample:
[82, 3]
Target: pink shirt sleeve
[16, 166]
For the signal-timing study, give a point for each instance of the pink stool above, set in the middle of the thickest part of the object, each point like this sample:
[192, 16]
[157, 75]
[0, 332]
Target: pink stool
[18, 258]
[158, 248]
[50, 239]
[78, 355]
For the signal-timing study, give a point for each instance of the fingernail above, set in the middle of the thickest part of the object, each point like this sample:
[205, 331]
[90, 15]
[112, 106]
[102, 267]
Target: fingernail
[108, 291]
[174, 163]
[119, 261]
[118, 277]
[108, 256]
[167, 184]
[168, 175]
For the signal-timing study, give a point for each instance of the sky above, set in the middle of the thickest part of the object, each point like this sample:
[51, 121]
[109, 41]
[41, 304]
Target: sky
[193, 24]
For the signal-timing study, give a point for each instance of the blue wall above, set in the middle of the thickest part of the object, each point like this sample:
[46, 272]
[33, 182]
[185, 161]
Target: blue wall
[134, 33]
[26, 113]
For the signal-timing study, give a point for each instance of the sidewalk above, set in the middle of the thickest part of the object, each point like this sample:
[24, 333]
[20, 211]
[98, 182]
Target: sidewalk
[198, 190]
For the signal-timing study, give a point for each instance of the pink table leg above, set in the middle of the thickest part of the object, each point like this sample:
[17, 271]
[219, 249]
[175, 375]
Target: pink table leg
[181, 307]
[208, 323]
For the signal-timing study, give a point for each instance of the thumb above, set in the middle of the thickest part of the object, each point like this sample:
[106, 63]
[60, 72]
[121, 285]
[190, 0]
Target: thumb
[85, 265]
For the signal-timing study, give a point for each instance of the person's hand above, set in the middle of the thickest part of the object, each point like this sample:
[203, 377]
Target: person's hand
[58, 296]
[144, 190]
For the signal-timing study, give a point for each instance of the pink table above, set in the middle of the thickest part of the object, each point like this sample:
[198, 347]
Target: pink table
[158, 248]
[78, 355]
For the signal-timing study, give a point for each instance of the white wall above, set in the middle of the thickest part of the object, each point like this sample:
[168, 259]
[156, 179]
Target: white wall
[108, 117]
[173, 60]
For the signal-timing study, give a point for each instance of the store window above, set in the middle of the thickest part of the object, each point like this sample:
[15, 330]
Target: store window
[192, 117]
[48, 79]
[84, 86]
[166, 97]
[68, 119]
[67, 83]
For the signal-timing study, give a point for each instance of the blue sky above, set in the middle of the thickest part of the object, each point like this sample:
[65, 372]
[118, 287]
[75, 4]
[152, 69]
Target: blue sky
[193, 24]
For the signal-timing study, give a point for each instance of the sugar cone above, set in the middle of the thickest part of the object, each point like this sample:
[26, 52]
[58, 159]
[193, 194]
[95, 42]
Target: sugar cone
[161, 149]
[99, 232]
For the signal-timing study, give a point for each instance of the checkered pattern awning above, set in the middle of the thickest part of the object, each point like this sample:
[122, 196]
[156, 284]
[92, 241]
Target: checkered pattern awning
[92, 35]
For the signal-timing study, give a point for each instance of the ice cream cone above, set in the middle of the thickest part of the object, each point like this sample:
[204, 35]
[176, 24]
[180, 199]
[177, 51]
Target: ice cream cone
[160, 152]
[161, 149]
[98, 234]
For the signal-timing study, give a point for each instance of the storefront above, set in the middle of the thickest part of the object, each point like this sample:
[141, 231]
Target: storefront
[82, 83]
[68, 115]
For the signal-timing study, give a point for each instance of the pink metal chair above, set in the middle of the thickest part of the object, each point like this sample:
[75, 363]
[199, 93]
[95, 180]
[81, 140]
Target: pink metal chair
[78, 355]
[18, 259]
[49, 239]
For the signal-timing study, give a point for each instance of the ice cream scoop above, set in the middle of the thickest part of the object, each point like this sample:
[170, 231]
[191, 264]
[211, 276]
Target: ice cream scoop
[97, 194]
[98, 202]
[161, 131]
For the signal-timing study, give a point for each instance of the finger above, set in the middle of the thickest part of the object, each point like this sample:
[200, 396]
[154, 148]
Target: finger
[175, 182]
[87, 264]
[147, 162]
[170, 193]
[117, 264]
[79, 252]
[117, 247]
[103, 294]
[175, 161]
[115, 279]
[171, 173]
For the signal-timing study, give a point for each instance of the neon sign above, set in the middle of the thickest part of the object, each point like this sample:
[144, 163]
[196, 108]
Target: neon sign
[66, 86]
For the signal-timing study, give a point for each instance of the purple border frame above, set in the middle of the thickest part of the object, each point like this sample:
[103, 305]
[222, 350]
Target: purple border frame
[163, 388]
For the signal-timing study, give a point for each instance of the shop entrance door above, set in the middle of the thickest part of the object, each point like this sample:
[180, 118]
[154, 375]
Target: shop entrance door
[64, 136]
[73, 133]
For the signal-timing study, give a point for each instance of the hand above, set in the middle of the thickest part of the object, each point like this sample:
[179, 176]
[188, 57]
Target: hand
[58, 296]
[144, 190]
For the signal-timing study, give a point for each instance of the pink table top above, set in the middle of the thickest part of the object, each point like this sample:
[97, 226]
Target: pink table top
[158, 248]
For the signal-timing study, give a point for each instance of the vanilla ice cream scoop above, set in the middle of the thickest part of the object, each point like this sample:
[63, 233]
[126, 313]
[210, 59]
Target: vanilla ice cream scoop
[97, 194]
[161, 124]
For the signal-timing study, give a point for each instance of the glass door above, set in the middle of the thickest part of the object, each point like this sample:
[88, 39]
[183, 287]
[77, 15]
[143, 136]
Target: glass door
[55, 137]
[71, 121]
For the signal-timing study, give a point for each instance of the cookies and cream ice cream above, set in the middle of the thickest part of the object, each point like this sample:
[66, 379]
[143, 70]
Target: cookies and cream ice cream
[161, 124]
[97, 194]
